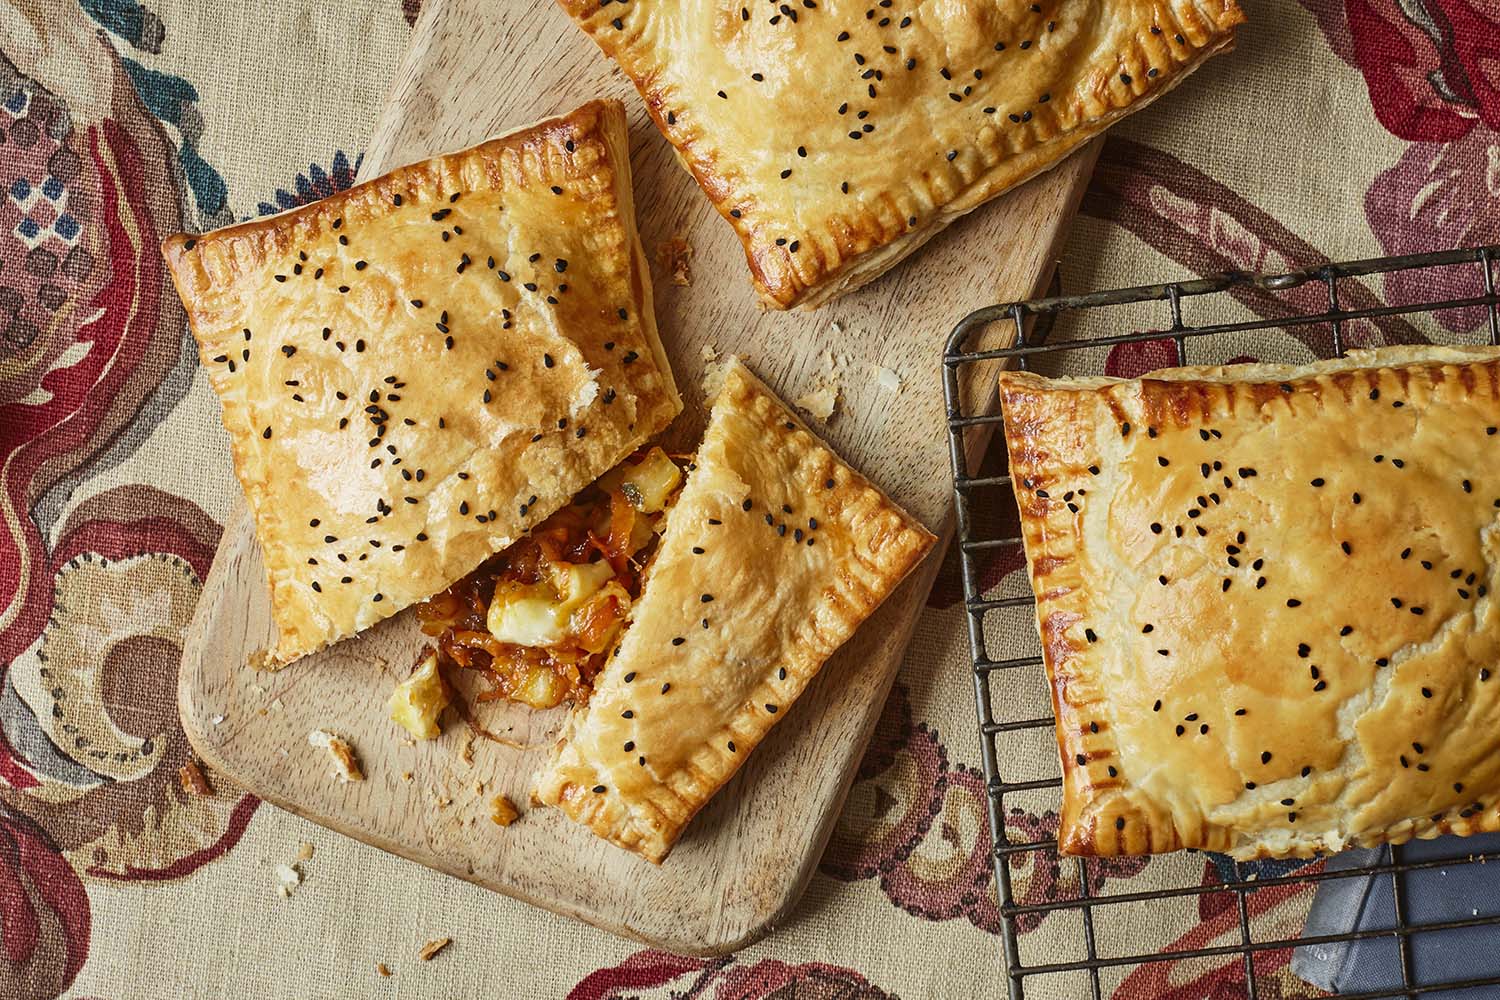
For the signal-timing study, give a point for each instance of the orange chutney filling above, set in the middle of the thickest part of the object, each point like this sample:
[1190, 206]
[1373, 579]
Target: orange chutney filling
[536, 622]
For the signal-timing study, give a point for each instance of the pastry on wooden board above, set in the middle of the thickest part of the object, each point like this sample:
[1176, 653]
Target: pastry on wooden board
[773, 553]
[1266, 599]
[416, 370]
[838, 137]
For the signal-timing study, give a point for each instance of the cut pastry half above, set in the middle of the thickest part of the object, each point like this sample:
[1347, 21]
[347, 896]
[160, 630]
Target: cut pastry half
[416, 371]
[773, 553]
[838, 137]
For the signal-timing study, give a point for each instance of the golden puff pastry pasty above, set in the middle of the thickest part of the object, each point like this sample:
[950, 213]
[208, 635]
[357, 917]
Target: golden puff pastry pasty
[837, 137]
[773, 554]
[416, 370]
[1266, 599]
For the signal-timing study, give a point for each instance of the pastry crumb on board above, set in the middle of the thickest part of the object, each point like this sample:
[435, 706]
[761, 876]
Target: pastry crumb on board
[263, 661]
[503, 811]
[824, 391]
[383, 970]
[431, 948]
[345, 761]
[673, 255]
[886, 379]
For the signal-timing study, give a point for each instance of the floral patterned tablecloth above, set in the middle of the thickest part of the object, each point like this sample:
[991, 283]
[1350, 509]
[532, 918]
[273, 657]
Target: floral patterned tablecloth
[1334, 131]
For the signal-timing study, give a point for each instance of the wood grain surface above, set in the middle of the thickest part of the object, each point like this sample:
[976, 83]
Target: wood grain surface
[475, 68]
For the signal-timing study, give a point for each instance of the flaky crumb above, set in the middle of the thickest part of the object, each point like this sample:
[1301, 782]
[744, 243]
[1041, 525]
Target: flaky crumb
[304, 851]
[192, 779]
[344, 759]
[261, 660]
[822, 395]
[886, 379]
[467, 753]
[288, 877]
[818, 402]
[713, 375]
[383, 969]
[503, 811]
[673, 256]
[431, 948]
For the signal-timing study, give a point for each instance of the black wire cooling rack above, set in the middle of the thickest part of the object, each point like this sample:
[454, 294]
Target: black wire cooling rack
[1318, 312]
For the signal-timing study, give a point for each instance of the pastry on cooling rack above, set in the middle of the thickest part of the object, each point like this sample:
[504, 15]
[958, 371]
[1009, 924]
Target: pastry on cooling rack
[1266, 599]
[773, 552]
[837, 137]
[415, 371]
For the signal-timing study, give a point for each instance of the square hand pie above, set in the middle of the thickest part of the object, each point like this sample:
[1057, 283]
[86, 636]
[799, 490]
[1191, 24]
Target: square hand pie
[415, 370]
[1266, 599]
[773, 554]
[839, 137]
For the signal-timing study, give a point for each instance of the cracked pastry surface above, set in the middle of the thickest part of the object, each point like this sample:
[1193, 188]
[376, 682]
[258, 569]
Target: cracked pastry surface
[1266, 599]
[416, 370]
[838, 137]
[774, 553]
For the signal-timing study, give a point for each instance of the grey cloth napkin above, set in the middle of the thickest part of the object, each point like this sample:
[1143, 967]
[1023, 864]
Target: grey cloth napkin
[1460, 891]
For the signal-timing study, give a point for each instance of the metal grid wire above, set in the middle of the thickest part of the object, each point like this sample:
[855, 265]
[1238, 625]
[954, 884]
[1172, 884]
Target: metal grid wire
[1323, 307]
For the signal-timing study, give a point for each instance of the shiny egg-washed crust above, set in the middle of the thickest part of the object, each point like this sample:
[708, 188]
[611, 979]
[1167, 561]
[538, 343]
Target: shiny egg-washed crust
[1266, 599]
[975, 98]
[737, 616]
[399, 402]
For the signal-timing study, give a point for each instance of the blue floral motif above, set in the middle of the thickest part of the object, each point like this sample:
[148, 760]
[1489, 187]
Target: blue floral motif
[315, 184]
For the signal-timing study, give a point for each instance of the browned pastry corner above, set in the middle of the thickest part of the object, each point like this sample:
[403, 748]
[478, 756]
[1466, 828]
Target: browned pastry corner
[1266, 599]
[416, 370]
[774, 553]
[836, 138]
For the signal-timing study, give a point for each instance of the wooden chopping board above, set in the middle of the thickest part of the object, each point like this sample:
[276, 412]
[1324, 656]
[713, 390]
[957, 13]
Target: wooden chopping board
[476, 68]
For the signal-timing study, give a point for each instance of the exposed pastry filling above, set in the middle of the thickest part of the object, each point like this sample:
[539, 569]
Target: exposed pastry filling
[536, 622]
